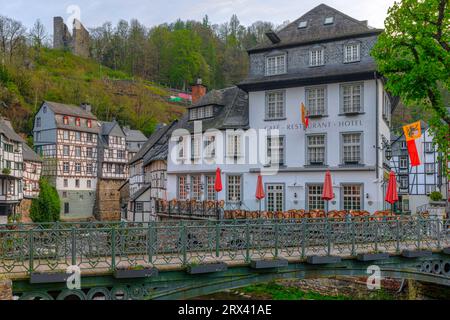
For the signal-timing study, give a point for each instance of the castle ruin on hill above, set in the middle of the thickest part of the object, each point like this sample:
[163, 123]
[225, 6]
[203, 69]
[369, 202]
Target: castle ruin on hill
[77, 42]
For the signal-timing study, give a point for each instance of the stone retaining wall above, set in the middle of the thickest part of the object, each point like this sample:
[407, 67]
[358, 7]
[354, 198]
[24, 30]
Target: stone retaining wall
[6, 290]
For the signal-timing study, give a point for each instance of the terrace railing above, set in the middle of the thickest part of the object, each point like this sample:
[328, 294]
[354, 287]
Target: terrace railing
[30, 248]
[190, 208]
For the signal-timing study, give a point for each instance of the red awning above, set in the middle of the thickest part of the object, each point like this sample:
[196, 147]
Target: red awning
[391, 194]
[328, 193]
[218, 184]
[260, 189]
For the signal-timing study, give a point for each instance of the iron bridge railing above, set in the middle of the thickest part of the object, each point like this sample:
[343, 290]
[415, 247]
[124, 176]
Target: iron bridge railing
[29, 248]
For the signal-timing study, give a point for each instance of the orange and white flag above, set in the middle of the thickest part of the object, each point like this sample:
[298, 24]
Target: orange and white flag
[413, 132]
[305, 119]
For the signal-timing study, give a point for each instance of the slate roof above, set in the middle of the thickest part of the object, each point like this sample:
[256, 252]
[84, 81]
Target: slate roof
[134, 135]
[139, 193]
[307, 76]
[70, 110]
[107, 126]
[232, 112]
[7, 129]
[343, 26]
[29, 154]
[149, 143]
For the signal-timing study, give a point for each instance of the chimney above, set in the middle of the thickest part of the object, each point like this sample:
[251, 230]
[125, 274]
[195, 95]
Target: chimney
[86, 107]
[198, 91]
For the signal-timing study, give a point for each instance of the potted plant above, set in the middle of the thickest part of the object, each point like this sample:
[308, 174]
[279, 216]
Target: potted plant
[437, 205]
[436, 196]
[210, 267]
[137, 271]
[6, 171]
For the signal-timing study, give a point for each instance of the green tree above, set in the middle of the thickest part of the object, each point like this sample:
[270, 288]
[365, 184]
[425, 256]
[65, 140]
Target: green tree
[46, 207]
[413, 54]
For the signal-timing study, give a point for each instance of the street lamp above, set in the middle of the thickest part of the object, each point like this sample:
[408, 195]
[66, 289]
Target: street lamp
[388, 152]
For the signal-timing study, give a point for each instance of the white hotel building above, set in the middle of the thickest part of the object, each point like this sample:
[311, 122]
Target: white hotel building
[322, 59]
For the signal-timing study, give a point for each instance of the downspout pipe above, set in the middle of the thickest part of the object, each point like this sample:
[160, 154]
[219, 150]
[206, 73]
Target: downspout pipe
[377, 125]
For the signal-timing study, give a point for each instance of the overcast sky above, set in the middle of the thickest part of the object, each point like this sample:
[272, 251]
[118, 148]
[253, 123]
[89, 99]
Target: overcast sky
[152, 12]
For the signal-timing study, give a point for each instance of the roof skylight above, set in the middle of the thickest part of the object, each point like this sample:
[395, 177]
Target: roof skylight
[302, 24]
[329, 20]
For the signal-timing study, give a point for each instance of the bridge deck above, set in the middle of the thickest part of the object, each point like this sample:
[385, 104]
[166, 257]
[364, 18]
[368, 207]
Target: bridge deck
[100, 249]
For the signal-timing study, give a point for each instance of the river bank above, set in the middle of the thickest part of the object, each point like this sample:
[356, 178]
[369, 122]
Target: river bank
[339, 288]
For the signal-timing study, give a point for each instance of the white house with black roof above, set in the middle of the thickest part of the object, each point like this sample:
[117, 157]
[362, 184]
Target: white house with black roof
[207, 137]
[322, 60]
[148, 175]
[135, 140]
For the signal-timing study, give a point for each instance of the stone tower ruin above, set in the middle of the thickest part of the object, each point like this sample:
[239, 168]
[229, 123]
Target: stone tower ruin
[78, 42]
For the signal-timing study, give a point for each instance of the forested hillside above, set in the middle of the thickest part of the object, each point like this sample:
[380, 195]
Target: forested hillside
[130, 72]
[47, 74]
[177, 53]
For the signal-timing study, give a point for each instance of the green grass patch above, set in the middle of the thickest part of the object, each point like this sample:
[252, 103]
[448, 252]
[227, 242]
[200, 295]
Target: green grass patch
[276, 291]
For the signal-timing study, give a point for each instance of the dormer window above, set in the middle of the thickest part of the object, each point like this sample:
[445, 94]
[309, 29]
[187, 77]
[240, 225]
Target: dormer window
[316, 57]
[276, 65]
[66, 120]
[302, 24]
[201, 113]
[77, 122]
[89, 123]
[328, 20]
[352, 52]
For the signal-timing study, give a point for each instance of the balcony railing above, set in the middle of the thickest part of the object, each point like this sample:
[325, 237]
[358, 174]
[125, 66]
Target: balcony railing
[190, 208]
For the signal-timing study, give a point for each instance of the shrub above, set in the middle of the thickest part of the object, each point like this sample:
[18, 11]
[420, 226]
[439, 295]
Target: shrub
[436, 196]
[46, 207]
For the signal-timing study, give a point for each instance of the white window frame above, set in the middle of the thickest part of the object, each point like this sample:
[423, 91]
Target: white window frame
[429, 168]
[352, 201]
[309, 149]
[276, 148]
[429, 148]
[316, 57]
[211, 193]
[314, 199]
[314, 104]
[234, 188]
[196, 187]
[203, 112]
[196, 147]
[182, 190]
[181, 149]
[209, 145]
[352, 96]
[352, 52]
[429, 188]
[404, 182]
[275, 197]
[234, 145]
[403, 162]
[275, 100]
[279, 65]
[354, 159]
